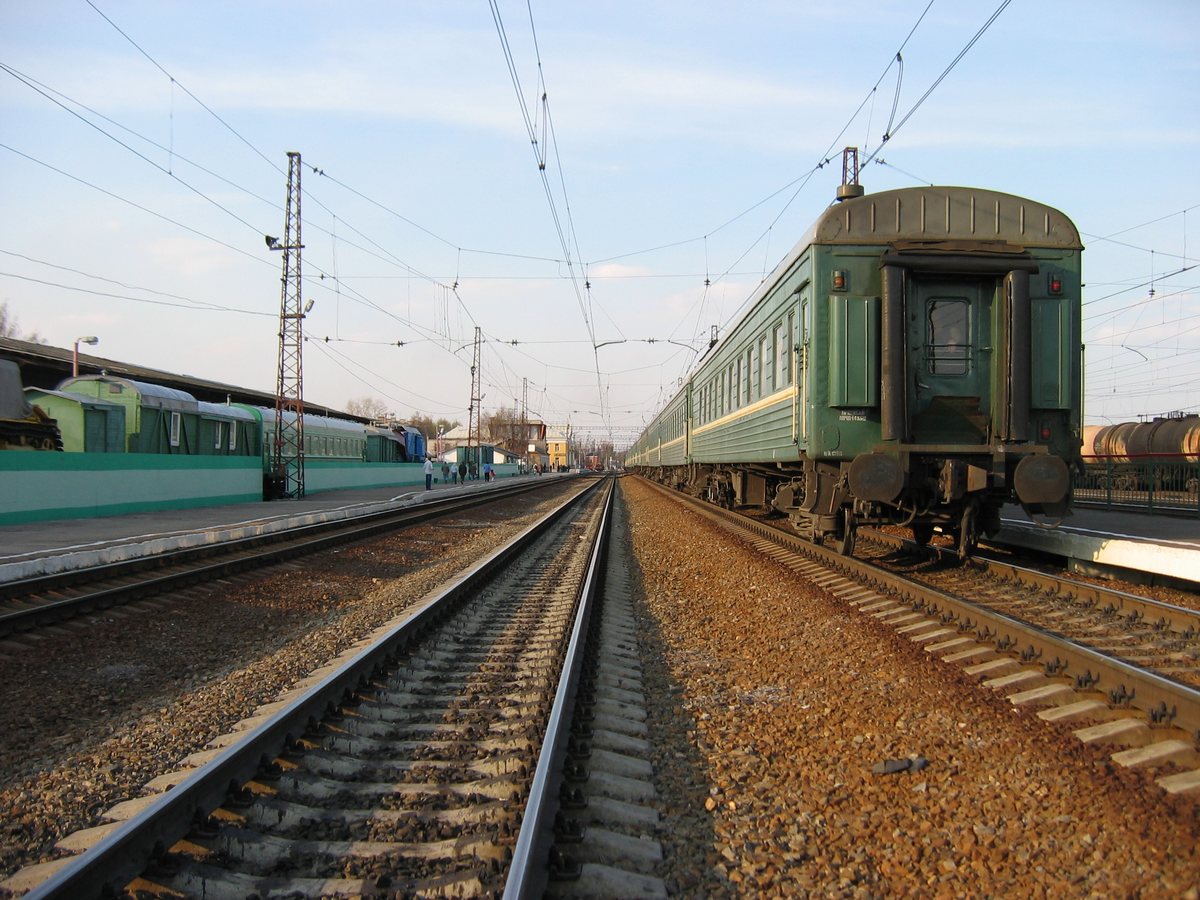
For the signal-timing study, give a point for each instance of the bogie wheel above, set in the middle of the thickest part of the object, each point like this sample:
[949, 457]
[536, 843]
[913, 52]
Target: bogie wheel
[846, 532]
[922, 532]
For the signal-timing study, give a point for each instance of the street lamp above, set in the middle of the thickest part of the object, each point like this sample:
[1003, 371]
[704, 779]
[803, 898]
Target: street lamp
[90, 339]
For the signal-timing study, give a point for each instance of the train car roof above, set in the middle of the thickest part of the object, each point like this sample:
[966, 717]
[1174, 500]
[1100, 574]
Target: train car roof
[926, 215]
[936, 213]
[75, 398]
[168, 398]
[384, 433]
[225, 411]
[268, 417]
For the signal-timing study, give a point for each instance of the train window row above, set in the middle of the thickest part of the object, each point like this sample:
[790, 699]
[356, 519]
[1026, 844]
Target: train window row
[765, 367]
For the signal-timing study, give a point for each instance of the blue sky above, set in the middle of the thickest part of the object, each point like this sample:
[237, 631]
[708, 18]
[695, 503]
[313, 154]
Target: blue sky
[668, 119]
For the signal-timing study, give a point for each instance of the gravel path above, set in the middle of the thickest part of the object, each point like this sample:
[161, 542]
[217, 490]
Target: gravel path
[90, 714]
[771, 703]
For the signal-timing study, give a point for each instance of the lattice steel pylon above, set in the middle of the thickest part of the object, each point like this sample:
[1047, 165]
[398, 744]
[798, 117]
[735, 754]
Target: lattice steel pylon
[475, 419]
[524, 445]
[288, 452]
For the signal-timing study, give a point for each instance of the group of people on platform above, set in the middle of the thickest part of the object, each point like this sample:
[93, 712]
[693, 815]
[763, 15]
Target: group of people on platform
[452, 472]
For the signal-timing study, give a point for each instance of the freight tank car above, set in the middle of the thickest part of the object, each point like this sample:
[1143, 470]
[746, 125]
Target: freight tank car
[914, 360]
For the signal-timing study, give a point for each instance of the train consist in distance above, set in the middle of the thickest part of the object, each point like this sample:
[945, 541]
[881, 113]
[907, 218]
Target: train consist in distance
[914, 360]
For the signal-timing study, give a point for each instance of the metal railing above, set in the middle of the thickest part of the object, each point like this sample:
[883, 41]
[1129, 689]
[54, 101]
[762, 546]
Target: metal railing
[1149, 483]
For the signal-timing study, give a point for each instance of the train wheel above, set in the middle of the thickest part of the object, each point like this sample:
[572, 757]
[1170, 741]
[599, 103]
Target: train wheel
[847, 530]
[922, 532]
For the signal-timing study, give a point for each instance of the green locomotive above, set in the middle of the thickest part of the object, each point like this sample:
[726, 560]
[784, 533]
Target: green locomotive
[914, 360]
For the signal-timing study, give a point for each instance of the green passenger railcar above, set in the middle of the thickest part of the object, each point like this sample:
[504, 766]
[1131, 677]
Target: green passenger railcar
[915, 359]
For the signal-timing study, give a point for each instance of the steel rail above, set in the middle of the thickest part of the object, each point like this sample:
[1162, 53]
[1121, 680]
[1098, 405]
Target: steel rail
[122, 855]
[238, 555]
[528, 873]
[1139, 687]
[1131, 606]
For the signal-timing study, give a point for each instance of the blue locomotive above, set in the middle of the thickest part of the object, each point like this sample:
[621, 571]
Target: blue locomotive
[914, 360]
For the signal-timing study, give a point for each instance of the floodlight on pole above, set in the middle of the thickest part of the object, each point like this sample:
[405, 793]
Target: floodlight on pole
[90, 339]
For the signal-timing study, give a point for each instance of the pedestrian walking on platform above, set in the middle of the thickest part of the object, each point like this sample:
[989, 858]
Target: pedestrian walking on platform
[428, 473]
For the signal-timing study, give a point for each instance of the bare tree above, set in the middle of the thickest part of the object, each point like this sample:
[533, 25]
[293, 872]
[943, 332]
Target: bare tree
[11, 328]
[428, 426]
[368, 407]
[504, 430]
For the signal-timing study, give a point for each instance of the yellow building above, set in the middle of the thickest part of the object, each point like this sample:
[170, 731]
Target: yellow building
[558, 448]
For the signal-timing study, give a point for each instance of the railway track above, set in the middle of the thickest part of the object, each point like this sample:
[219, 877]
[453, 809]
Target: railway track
[488, 741]
[1119, 666]
[45, 600]
[1156, 635]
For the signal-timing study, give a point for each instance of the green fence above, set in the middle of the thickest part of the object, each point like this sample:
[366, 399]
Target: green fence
[1165, 484]
[41, 486]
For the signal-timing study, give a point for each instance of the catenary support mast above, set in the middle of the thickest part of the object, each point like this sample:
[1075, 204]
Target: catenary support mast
[288, 451]
[475, 419]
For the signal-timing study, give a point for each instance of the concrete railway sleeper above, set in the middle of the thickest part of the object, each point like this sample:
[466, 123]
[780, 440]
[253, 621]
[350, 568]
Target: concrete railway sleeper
[403, 765]
[1149, 719]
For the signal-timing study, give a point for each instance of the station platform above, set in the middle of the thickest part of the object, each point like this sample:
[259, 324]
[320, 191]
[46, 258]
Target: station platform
[43, 548]
[1135, 547]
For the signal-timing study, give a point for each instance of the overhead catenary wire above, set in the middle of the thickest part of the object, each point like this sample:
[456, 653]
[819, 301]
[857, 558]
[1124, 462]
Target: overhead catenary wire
[891, 132]
[175, 81]
[565, 237]
[205, 307]
[387, 256]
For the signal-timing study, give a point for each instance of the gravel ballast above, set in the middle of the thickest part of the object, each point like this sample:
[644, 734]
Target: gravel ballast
[771, 701]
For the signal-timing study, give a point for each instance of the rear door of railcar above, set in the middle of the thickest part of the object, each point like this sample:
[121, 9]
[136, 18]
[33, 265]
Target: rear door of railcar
[950, 358]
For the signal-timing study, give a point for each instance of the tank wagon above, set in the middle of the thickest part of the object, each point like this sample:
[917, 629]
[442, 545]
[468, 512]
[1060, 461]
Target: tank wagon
[1175, 436]
[1144, 462]
[914, 360]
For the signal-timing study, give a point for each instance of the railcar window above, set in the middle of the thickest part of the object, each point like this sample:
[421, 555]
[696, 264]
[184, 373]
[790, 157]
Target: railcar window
[737, 383]
[948, 337]
[176, 421]
[233, 435]
[759, 375]
[217, 443]
[777, 365]
[749, 369]
[786, 358]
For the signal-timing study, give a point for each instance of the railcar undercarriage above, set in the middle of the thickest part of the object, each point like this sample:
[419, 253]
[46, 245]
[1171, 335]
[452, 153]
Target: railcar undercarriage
[959, 496]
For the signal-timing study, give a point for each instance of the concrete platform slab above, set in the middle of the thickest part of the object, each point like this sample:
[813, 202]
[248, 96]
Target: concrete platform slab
[1137, 547]
[42, 548]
